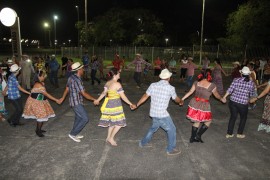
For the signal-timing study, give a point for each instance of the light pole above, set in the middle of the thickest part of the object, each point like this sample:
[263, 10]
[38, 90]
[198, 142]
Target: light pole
[69, 42]
[55, 41]
[85, 8]
[78, 15]
[166, 40]
[47, 26]
[202, 31]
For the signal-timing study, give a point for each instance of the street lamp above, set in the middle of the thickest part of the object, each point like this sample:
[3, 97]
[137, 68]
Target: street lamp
[55, 41]
[69, 42]
[202, 31]
[46, 25]
[166, 40]
[78, 15]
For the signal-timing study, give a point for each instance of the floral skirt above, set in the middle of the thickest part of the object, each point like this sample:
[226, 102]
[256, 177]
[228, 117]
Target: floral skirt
[265, 122]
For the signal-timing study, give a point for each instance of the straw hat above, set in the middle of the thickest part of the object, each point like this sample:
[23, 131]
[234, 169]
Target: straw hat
[76, 66]
[245, 71]
[14, 68]
[10, 61]
[236, 63]
[165, 74]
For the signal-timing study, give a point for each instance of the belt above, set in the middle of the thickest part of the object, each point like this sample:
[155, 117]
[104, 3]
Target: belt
[201, 99]
[38, 96]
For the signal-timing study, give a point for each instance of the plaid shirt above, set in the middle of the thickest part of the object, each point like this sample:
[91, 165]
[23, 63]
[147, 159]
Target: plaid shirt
[13, 90]
[138, 64]
[161, 92]
[75, 86]
[241, 90]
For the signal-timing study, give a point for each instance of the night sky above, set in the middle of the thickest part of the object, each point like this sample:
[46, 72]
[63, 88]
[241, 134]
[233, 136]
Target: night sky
[180, 17]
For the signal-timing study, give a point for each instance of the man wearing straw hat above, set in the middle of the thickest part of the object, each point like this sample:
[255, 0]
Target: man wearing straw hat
[13, 88]
[161, 92]
[76, 93]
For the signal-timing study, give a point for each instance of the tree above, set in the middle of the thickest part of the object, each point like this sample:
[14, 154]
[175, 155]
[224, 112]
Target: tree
[250, 24]
[124, 27]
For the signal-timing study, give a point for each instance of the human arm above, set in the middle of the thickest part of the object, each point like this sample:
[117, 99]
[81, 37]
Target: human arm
[218, 96]
[142, 100]
[23, 90]
[102, 95]
[263, 93]
[191, 91]
[87, 95]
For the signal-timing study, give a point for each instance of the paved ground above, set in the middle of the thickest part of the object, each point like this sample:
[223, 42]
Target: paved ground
[56, 156]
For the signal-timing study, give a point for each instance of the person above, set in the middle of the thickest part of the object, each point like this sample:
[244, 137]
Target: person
[161, 92]
[94, 68]
[113, 115]
[199, 109]
[86, 63]
[183, 68]
[2, 99]
[27, 69]
[265, 122]
[190, 71]
[254, 79]
[13, 88]
[240, 90]
[69, 70]
[117, 63]
[266, 71]
[54, 67]
[64, 60]
[217, 76]
[101, 68]
[157, 67]
[37, 105]
[172, 67]
[138, 62]
[40, 64]
[206, 63]
[76, 93]
[236, 68]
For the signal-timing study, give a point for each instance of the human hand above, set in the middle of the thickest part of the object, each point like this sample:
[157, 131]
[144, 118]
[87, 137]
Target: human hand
[223, 100]
[132, 106]
[96, 102]
[181, 103]
[252, 100]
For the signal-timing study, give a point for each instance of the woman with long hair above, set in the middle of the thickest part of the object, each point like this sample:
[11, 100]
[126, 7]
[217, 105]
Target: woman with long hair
[240, 90]
[113, 115]
[37, 105]
[199, 110]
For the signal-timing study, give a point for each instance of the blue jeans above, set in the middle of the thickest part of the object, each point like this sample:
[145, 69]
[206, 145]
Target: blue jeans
[81, 119]
[53, 78]
[165, 123]
[189, 81]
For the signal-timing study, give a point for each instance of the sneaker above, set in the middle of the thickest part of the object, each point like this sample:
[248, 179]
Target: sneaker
[229, 136]
[174, 152]
[241, 136]
[138, 87]
[79, 136]
[74, 138]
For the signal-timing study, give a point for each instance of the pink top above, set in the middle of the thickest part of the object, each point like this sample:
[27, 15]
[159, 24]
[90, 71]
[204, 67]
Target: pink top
[190, 69]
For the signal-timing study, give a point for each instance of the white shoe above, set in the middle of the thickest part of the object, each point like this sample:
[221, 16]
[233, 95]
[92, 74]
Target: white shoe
[74, 138]
[79, 136]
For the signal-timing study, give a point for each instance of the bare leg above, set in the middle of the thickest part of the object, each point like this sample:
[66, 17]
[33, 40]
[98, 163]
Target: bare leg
[114, 132]
[109, 133]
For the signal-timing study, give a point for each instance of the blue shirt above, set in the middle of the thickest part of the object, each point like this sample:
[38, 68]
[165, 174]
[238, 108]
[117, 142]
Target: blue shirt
[54, 65]
[13, 90]
[75, 86]
[161, 92]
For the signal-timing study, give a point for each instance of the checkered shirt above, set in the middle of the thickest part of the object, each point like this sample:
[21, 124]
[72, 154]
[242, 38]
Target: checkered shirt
[13, 90]
[75, 86]
[138, 64]
[161, 92]
[95, 65]
[241, 90]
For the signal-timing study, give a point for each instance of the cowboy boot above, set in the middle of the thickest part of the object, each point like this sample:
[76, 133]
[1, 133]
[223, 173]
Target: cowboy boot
[200, 132]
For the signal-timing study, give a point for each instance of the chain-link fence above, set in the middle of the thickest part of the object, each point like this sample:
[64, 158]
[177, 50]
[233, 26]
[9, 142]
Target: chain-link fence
[226, 54]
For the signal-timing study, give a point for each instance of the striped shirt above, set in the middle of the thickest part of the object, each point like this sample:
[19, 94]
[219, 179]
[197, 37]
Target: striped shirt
[138, 64]
[241, 90]
[75, 86]
[13, 90]
[161, 92]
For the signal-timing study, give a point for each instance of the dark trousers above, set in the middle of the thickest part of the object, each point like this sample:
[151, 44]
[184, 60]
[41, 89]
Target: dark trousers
[137, 78]
[16, 116]
[93, 76]
[235, 109]
[53, 78]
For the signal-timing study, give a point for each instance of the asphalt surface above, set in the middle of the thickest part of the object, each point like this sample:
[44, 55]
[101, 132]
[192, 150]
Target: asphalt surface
[56, 156]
